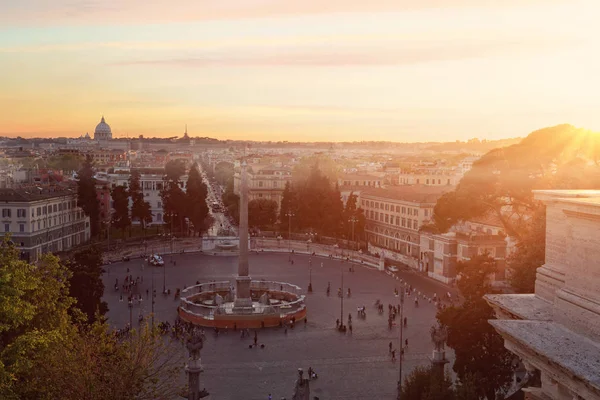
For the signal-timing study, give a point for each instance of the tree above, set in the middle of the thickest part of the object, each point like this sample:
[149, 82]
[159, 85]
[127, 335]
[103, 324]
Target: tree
[86, 284]
[426, 383]
[529, 255]
[140, 209]
[231, 202]
[352, 212]
[86, 195]
[196, 199]
[173, 196]
[262, 213]
[34, 305]
[479, 349]
[289, 204]
[224, 173]
[120, 216]
[501, 182]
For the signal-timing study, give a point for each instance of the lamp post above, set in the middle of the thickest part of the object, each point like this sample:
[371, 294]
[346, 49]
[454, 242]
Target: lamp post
[342, 300]
[290, 215]
[401, 344]
[353, 220]
[153, 296]
[310, 289]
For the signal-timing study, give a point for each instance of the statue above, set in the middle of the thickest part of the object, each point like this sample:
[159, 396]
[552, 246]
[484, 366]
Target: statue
[195, 342]
[302, 389]
[439, 335]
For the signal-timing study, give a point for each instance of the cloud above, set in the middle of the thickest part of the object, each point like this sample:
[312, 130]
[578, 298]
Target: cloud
[103, 12]
[401, 54]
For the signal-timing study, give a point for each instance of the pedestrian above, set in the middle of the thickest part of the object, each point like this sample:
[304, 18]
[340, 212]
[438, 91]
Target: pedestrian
[394, 355]
[255, 338]
[390, 347]
[405, 342]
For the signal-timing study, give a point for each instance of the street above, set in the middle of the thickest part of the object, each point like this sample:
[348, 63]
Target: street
[350, 366]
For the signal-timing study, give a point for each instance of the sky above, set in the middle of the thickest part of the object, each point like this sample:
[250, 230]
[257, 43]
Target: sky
[299, 70]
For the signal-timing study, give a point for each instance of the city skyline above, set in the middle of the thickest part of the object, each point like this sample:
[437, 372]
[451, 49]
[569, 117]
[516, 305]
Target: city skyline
[263, 70]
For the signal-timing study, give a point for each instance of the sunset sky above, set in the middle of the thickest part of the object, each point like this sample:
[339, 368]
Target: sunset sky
[322, 70]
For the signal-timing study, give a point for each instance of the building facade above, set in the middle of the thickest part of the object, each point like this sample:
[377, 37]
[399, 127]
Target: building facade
[395, 215]
[556, 330]
[42, 220]
[264, 183]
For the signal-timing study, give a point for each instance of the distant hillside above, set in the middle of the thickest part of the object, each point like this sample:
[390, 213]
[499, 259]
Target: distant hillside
[472, 146]
[559, 157]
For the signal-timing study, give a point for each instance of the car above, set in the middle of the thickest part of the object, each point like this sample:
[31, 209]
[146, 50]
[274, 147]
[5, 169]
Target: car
[157, 260]
[393, 268]
[126, 258]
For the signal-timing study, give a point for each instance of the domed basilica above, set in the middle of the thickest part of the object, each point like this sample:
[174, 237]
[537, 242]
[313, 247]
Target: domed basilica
[102, 131]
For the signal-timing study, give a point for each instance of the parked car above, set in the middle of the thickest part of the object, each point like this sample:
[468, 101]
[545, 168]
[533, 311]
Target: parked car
[393, 268]
[126, 258]
[157, 260]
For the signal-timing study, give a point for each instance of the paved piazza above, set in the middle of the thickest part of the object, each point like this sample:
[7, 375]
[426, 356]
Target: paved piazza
[350, 366]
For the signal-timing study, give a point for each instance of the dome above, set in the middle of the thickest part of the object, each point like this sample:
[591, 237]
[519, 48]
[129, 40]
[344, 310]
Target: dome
[102, 131]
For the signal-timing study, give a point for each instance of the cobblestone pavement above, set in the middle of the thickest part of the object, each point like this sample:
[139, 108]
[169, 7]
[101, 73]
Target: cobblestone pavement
[350, 366]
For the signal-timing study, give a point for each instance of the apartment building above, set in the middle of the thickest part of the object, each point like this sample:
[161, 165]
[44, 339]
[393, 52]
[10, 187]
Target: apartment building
[395, 215]
[42, 220]
[266, 182]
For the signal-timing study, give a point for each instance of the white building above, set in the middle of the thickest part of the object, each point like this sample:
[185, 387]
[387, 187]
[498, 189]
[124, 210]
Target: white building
[556, 330]
[42, 220]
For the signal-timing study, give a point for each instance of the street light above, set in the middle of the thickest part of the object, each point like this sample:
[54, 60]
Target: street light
[310, 289]
[290, 215]
[342, 300]
[353, 220]
[401, 342]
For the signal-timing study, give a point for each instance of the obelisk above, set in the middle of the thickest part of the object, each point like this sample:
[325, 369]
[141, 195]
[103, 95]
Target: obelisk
[242, 292]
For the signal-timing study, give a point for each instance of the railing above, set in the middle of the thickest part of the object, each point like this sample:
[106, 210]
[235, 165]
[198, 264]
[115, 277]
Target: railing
[209, 311]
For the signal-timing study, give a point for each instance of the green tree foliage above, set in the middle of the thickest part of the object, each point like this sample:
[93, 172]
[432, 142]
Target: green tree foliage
[479, 349]
[427, 383]
[140, 209]
[86, 284]
[34, 304]
[529, 255]
[120, 214]
[289, 204]
[173, 196]
[224, 173]
[231, 202]
[65, 162]
[501, 182]
[86, 195]
[46, 354]
[316, 205]
[325, 164]
[196, 194]
[262, 213]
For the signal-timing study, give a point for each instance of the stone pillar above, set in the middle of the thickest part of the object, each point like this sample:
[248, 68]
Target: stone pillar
[193, 369]
[242, 298]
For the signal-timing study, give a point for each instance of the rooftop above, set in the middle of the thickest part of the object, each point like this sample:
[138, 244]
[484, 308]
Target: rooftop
[34, 194]
[413, 193]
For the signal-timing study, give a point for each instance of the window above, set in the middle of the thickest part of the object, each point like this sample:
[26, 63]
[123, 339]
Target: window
[39, 225]
[59, 206]
[427, 181]
[397, 209]
[397, 221]
[21, 212]
[416, 211]
[159, 217]
[410, 211]
[403, 210]
[39, 211]
[387, 218]
[158, 204]
[448, 181]
[415, 224]
[260, 195]
[274, 183]
[21, 228]
[54, 208]
[417, 181]
[45, 210]
[404, 222]
[387, 207]
[6, 227]
[6, 212]
[260, 183]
